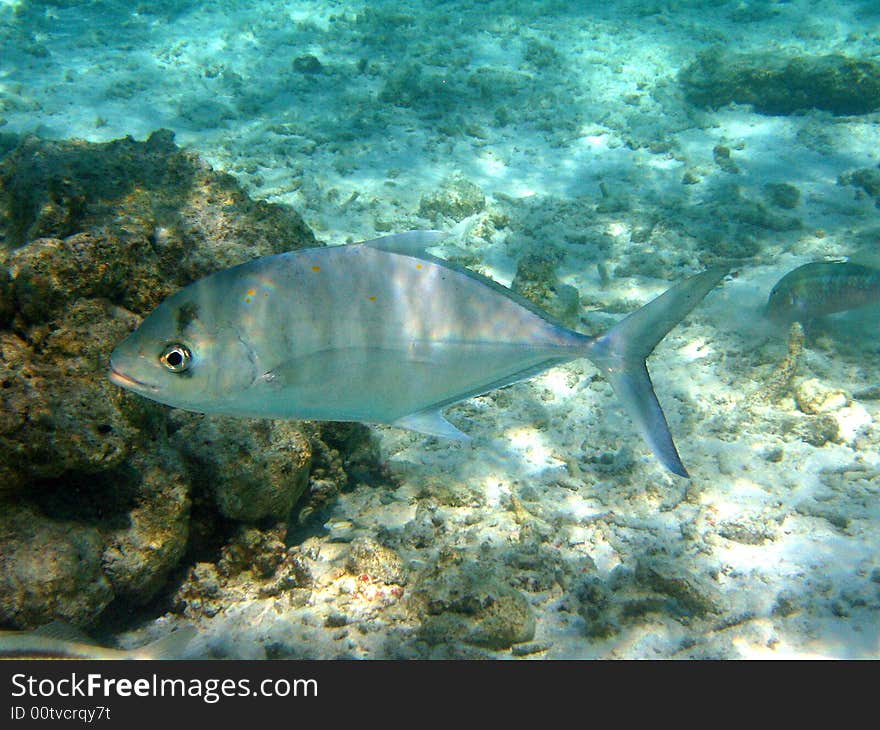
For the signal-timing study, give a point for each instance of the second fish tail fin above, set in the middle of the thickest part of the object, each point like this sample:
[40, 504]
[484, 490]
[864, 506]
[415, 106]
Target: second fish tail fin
[621, 353]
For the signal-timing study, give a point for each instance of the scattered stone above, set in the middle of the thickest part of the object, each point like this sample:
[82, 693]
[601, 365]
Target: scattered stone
[536, 280]
[367, 557]
[818, 430]
[456, 200]
[866, 179]
[308, 65]
[721, 155]
[469, 605]
[693, 595]
[870, 393]
[254, 564]
[336, 620]
[778, 84]
[786, 604]
[783, 195]
[814, 398]
[534, 647]
[829, 513]
[749, 530]
[250, 549]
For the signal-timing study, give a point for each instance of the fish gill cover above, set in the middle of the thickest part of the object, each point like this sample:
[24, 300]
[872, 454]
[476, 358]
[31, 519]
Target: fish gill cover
[589, 153]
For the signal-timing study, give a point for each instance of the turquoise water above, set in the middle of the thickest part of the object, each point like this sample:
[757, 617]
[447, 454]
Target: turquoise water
[603, 151]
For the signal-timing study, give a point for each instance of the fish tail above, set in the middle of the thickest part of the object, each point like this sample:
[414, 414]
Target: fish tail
[621, 353]
[168, 647]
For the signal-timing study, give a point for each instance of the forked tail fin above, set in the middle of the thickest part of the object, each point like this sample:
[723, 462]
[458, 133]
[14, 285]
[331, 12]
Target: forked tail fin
[621, 353]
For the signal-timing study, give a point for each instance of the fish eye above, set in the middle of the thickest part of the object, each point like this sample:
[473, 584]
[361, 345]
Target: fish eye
[176, 357]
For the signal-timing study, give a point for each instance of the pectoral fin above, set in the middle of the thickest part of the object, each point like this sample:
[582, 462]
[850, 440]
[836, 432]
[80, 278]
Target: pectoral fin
[431, 423]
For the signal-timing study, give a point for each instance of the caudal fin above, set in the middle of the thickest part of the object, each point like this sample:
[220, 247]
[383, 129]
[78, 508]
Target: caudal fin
[621, 352]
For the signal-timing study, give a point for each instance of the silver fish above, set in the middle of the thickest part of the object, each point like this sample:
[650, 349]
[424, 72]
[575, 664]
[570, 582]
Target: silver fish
[378, 332]
[821, 288]
[58, 640]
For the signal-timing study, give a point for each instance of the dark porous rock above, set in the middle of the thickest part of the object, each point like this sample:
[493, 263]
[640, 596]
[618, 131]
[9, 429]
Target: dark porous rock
[471, 606]
[259, 551]
[150, 209]
[749, 531]
[60, 414]
[51, 570]
[6, 306]
[96, 482]
[780, 85]
[342, 453]
[255, 469]
[139, 555]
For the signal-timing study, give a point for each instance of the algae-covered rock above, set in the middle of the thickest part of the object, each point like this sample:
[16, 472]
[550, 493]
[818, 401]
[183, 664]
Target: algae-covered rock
[818, 430]
[51, 569]
[778, 84]
[139, 555]
[253, 563]
[783, 195]
[692, 594]
[470, 605]
[739, 222]
[369, 557]
[456, 200]
[752, 530]
[152, 218]
[255, 469]
[593, 601]
[813, 398]
[536, 280]
[60, 414]
[92, 237]
[6, 307]
[866, 179]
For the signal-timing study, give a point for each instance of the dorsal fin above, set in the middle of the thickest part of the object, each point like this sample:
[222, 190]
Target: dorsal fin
[415, 243]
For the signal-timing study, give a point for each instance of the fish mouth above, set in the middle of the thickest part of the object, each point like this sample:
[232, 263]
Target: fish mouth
[126, 381]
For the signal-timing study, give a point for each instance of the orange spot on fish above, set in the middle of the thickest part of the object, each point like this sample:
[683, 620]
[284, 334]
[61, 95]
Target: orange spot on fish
[251, 292]
[419, 266]
[372, 299]
[316, 268]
